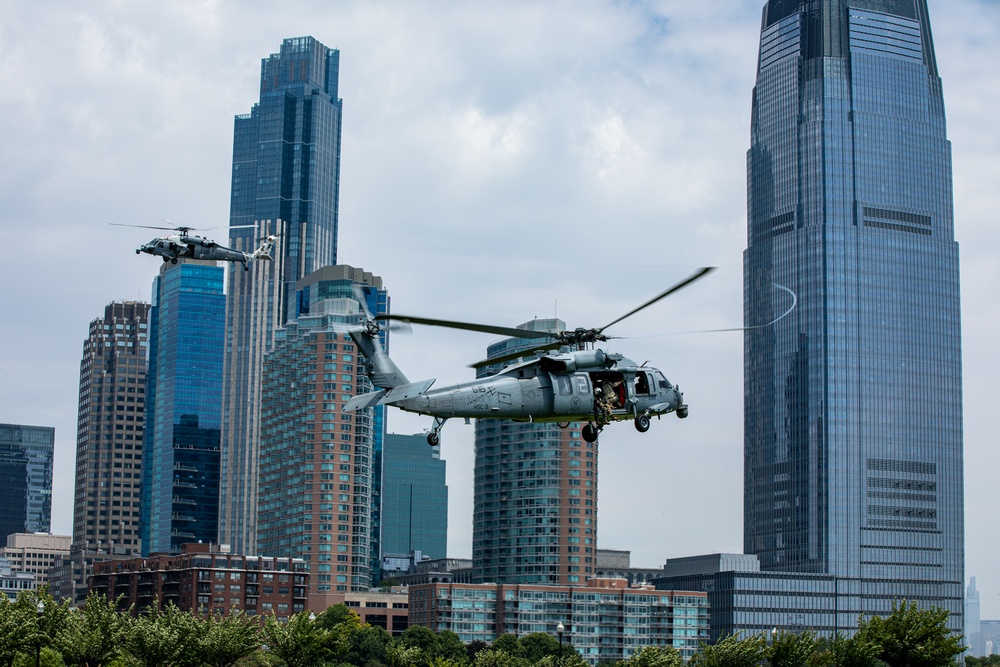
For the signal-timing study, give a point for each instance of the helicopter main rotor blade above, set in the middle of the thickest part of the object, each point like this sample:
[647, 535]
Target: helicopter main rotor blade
[700, 273]
[510, 356]
[467, 326]
[169, 229]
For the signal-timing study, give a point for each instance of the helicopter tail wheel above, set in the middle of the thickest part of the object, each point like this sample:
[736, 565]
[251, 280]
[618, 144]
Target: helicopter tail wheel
[642, 423]
[590, 432]
[433, 439]
[682, 413]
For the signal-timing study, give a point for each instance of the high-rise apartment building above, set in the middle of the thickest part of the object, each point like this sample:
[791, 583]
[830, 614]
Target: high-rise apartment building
[286, 179]
[110, 422]
[535, 500]
[180, 489]
[318, 499]
[414, 497]
[853, 412]
[26, 470]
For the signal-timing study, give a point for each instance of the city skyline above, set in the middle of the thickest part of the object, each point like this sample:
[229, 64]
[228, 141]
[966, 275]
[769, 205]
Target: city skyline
[638, 116]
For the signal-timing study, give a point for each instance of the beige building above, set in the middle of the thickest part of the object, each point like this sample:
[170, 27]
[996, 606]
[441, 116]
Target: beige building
[35, 553]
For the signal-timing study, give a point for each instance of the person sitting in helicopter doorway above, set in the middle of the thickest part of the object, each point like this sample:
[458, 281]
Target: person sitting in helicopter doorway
[607, 400]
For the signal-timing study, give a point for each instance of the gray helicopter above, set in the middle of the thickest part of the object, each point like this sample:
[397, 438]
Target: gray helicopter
[185, 244]
[566, 383]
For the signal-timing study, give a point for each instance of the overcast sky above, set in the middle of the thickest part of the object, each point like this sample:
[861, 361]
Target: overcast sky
[501, 161]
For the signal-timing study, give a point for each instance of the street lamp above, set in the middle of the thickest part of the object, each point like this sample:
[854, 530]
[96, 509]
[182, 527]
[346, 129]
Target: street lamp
[560, 629]
[40, 609]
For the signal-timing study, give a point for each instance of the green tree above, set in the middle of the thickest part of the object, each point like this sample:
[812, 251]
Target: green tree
[368, 645]
[791, 649]
[449, 646]
[508, 644]
[537, 645]
[165, 637]
[654, 656]
[912, 637]
[985, 661]
[494, 657]
[298, 643]
[419, 637]
[227, 639]
[14, 640]
[337, 614]
[731, 652]
[96, 634]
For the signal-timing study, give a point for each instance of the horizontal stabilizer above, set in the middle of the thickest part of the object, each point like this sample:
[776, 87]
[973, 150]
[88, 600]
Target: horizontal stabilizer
[362, 401]
[389, 396]
[406, 391]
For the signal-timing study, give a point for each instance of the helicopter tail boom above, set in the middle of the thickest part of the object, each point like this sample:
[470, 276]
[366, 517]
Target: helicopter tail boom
[388, 396]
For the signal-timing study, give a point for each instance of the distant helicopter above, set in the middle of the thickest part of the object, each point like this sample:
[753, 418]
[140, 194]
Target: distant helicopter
[185, 244]
[577, 385]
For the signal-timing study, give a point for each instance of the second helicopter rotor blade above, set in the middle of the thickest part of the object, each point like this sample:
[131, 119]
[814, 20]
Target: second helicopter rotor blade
[700, 273]
[466, 326]
[516, 355]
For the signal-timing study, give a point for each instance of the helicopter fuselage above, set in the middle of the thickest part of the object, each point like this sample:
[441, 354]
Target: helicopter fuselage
[568, 387]
[173, 247]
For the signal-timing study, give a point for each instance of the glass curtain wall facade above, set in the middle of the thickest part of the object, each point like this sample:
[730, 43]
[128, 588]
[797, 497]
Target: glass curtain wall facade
[180, 490]
[853, 414]
[26, 470]
[318, 495]
[535, 499]
[414, 497]
[286, 180]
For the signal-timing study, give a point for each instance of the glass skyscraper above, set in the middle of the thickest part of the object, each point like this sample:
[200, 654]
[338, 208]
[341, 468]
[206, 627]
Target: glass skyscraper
[853, 402]
[286, 179]
[26, 470]
[180, 490]
[414, 497]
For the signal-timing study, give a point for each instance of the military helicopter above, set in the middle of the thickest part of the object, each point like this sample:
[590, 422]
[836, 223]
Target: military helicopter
[185, 244]
[566, 383]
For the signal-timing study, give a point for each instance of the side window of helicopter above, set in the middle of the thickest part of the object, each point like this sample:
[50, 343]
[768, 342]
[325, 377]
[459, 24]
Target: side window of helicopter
[565, 385]
[641, 383]
[663, 382]
[582, 386]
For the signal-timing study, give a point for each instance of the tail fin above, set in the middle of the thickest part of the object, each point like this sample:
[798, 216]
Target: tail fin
[264, 251]
[379, 367]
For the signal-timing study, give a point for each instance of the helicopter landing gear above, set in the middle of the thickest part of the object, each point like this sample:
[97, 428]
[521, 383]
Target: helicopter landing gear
[173, 260]
[246, 267]
[682, 412]
[434, 437]
[166, 259]
[590, 432]
[642, 423]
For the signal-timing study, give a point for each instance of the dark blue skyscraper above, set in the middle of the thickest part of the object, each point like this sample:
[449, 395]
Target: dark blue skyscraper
[26, 470]
[853, 434]
[414, 497]
[286, 179]
[180, 490]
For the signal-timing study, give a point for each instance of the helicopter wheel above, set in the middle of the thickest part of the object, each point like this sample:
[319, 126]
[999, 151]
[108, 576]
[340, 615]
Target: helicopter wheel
[563, 425]
[173, 260]
[166, 259]
[682, 413]
[433, 439]
[590, 432]
[642, 423]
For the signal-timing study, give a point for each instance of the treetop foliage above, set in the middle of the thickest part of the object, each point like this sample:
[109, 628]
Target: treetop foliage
[97, 635]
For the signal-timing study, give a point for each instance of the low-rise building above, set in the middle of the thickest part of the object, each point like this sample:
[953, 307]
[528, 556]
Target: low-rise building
[388, 610]
[203, 579]
[603, 620]
[13, 582]
[35, 553]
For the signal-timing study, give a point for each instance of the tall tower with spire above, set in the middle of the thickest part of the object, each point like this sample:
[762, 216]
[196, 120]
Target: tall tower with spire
[286, 181]
[853, 413]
